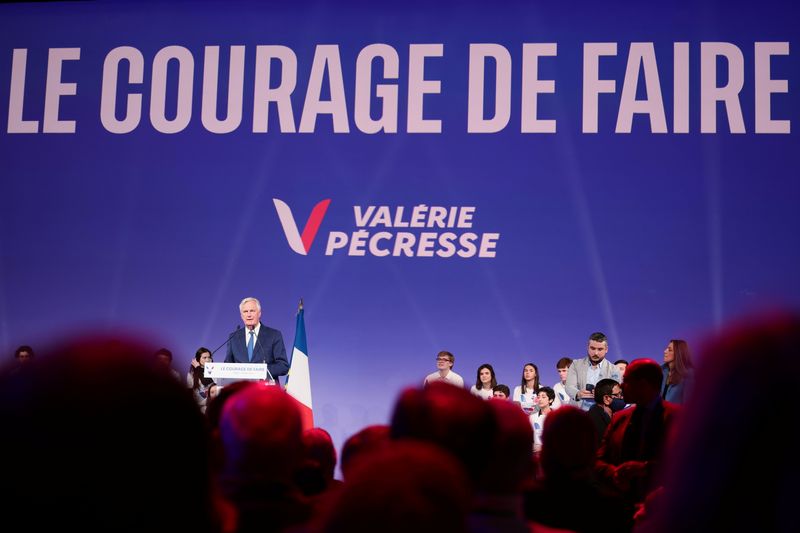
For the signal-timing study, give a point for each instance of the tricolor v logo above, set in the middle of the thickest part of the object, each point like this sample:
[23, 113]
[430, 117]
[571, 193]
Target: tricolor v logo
[298, 243]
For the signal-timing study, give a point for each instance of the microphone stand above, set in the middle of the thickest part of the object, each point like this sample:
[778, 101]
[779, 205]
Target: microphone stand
[269, 374]
[227, 340]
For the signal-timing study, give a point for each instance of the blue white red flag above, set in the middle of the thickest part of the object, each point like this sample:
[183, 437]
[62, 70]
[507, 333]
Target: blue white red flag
[298, 382]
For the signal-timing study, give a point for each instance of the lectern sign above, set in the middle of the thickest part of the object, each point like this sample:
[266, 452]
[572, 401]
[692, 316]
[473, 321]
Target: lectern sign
[235, 370]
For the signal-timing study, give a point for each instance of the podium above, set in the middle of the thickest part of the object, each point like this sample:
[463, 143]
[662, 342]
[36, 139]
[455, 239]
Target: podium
[238, 371]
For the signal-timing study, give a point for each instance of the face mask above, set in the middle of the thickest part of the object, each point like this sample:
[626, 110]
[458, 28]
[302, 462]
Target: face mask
[617, 404]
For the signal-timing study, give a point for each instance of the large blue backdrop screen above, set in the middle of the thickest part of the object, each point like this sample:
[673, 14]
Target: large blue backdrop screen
[503, 179]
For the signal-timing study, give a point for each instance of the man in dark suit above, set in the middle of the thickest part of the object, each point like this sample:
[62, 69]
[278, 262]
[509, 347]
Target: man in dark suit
[632, 446]
[257, 343]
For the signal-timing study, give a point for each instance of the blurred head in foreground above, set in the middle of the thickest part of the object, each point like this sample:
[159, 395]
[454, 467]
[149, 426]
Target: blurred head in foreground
[97, 435]
[735, 469]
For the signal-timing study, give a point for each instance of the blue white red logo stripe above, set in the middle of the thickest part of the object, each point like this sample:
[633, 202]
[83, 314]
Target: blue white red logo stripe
[301, 243]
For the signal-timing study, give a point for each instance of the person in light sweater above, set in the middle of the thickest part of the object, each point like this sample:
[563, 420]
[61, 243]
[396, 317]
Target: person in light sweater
[444, 371]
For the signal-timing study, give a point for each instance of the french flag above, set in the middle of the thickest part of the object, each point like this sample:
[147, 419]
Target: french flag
[298, 382]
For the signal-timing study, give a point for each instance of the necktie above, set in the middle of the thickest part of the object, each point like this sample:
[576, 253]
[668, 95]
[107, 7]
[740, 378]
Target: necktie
[250, 345]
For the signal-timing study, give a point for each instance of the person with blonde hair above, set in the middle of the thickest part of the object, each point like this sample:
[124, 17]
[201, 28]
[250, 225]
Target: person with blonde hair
[444, 371]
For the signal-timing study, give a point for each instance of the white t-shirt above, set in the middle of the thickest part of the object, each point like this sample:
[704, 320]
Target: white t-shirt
[562, 398]
[537, 422]
[527, 401]
[451, 377]
[482, 393]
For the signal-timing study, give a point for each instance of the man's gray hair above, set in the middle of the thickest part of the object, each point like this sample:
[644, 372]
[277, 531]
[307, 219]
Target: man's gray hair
[249, 299]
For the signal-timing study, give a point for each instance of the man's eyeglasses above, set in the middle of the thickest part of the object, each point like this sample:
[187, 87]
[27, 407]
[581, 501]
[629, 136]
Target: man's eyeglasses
[442, 359]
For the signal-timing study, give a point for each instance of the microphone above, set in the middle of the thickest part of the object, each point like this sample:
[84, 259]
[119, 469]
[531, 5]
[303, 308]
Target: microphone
[238, 327]
[269, 374]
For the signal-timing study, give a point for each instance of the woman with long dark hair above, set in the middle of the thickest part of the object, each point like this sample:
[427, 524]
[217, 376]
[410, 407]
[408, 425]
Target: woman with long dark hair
[203, 388]
[525, 392]
[678, 371]
[485, 382]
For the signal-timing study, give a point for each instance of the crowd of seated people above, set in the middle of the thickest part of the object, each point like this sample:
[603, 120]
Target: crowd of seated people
[99, 438]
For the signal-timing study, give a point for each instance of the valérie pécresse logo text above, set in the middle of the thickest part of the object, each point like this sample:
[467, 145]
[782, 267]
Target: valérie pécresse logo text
[394, 231]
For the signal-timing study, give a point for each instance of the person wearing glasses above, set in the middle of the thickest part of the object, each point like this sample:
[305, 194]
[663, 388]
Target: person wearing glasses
[444, 371]
[607, 401]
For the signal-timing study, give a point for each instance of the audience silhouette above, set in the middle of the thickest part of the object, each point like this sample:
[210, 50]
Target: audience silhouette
[734, 464]
[98, 438]
[261, 437]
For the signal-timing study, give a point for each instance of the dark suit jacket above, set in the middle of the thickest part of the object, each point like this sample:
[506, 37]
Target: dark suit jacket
[269, 349]
[613, 452]
[600, 419]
